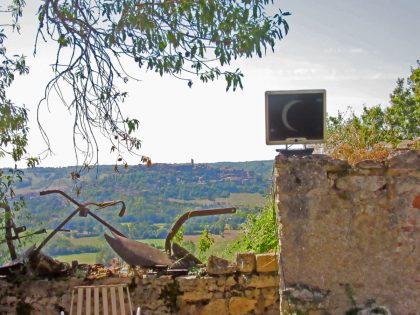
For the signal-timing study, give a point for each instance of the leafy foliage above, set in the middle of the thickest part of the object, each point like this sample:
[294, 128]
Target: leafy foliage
[403, 116]
[7, 192]
[13, 122]
[260, 231]
[205, 242]
[13, 119]
[183, 39]
[378, 130]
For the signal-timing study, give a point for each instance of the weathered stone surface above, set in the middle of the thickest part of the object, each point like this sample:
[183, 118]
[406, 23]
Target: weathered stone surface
[229, 282]
[188, 283]
[374, 311]
[358, 237]
[194, 296]
[405, 145]
[157, 295]
[408, 160]
[220, 266]
[245, 262]
[360, 183]
[267, 262]
[215, 307]
[305, 297]
[261, 281]
[369, 164]
[241, 305]
[336, 165]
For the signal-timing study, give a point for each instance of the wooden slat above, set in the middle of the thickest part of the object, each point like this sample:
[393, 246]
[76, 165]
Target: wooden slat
[105, 300]
[121, 298]
[96, 300]
[79, 301]
[72, 301]
[113, 301]
[109, 300]
[129, 300]
[88, 300]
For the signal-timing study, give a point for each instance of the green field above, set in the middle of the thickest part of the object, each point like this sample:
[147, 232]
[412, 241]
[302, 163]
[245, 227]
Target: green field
[158, 242]
[234, 200]
[243, 199]
[84, 258]
[218, 248]
[97, 241]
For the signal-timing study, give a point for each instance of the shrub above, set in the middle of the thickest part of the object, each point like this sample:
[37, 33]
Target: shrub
[377, 131]
[259, 231]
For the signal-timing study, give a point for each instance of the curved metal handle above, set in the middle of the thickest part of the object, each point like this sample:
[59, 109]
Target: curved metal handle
[109, 204]
[57, 191]
[81, 209]
[100, 205]
[190, 214]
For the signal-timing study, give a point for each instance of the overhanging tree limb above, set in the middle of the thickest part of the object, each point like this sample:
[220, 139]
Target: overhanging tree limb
[184, 39]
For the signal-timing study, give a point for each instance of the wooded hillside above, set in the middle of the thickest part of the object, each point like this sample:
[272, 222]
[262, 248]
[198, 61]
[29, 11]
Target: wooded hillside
[154, 196]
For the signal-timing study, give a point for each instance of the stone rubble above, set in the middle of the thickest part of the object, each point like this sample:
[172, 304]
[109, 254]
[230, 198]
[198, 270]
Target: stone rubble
[230, 292]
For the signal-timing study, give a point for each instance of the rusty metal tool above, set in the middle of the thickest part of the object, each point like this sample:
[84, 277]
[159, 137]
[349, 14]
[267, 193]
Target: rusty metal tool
[143, 255]
[137, 253]
[83, 211]
[191, 214]
[34, 253]
[12, 232]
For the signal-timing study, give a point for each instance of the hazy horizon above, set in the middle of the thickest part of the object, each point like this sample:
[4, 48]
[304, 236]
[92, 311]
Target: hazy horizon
[355, 50]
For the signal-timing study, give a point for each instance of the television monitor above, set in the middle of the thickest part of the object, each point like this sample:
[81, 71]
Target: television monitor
[295, 117]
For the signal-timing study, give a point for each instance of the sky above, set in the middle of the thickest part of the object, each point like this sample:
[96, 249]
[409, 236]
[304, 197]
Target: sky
[354, 49]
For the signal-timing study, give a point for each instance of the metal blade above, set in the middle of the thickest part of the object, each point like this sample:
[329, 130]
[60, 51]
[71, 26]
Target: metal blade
[136, 253]
[184, 258]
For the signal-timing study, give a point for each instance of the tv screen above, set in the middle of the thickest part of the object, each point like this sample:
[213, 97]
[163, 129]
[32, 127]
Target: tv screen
[295, 116]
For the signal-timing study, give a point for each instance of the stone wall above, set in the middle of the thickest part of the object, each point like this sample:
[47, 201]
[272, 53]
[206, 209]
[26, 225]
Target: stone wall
[236, 289]
[350, 236]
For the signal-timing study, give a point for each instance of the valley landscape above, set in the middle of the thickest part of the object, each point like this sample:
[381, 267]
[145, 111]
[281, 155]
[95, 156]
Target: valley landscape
[154, 196]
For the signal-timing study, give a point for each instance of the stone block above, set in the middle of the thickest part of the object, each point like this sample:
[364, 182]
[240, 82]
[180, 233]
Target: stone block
[186, 310]
[262, 281]
[360, 183]
[220, 266]
[267, 262]
[245, 262]
[369, 164]
[241, 305]
[193, 296]
[406, 145]
[336, 165]
[218, 306]
[404, 160]
[230, 282]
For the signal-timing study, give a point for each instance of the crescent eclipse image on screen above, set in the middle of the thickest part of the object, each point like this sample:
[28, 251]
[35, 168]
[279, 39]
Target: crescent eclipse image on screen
[295, 116]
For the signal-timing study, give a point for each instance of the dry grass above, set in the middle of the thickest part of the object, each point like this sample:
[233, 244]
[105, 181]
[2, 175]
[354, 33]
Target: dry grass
[354, 154]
